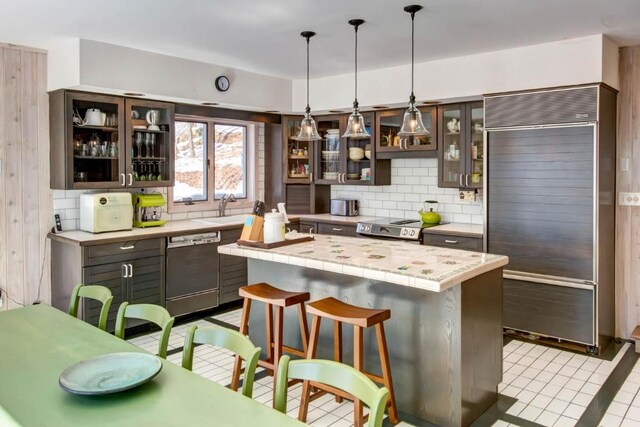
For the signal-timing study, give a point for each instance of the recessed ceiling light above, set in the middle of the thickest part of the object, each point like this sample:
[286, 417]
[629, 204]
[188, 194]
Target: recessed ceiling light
[336, 111]
[209, 103]
[379, 107]
[134, 94]
[272, 111]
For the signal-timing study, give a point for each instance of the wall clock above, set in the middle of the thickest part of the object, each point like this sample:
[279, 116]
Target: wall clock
[222, 83]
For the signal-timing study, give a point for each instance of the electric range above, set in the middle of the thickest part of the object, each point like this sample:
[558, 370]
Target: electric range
[394, 228]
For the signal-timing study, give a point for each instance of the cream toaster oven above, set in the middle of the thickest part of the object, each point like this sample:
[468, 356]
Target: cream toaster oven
[103, 212]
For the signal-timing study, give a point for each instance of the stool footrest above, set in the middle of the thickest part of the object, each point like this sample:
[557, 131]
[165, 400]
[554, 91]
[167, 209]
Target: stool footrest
[293, 350]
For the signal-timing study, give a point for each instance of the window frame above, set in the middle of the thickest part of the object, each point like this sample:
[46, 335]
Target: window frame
[251, 168]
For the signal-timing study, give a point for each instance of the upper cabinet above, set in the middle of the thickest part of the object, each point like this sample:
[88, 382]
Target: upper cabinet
[297, 155]
[461, 145]
[390, 145]
[329, 151]
[94, 141]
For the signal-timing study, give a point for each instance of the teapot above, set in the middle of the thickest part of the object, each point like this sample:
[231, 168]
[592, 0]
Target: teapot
[430, 217]
[94, 117]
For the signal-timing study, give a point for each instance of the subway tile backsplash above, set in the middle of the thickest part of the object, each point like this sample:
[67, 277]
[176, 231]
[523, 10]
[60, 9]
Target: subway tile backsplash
[412, 182]
[66, 203]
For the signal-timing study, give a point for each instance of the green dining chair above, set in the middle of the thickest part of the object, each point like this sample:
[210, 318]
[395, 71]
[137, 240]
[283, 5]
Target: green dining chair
[95, 292]
[151, 313]
[338, 375]
[225, 338]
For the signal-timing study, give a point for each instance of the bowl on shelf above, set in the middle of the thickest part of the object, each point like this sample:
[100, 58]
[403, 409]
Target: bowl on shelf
[356, 153]
[331, 155]
[353, 176]
[367, 151]
[330, 175]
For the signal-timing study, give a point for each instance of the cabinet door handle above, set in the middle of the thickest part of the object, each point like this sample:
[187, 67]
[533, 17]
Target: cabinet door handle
[130, 179]
[336, 229]
[311, 230]
[124, 271]
[122, 180]
[460, 180]
[467, 179]
[130, 270]
[344, 178]
[453, 242]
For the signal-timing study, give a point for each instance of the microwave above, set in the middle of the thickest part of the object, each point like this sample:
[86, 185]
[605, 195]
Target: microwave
[344, 207]
[104, 212]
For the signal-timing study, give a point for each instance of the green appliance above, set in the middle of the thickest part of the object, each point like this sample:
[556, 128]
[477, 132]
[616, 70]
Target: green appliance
[147, 210]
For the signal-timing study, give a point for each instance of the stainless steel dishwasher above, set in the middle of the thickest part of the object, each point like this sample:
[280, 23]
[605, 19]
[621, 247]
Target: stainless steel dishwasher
[192, 273]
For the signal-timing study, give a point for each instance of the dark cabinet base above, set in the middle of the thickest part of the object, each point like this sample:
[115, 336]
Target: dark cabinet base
[550, 310]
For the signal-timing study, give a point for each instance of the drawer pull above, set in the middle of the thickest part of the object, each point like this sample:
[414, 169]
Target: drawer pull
[337, 229]
[453, 242]
[124, 248]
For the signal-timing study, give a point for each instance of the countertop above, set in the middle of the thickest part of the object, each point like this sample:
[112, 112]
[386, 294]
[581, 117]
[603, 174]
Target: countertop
[425, 267]
[456, 229]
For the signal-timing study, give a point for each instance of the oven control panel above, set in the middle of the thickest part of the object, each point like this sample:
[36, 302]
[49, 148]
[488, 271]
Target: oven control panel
[388, 231]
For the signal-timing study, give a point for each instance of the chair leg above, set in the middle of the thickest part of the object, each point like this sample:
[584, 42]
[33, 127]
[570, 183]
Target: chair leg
[358, 365]
[337, 347]
[304, 329]
[311, 353]
[386, 371]
[269, 335]
[244, 329]
[277, 350]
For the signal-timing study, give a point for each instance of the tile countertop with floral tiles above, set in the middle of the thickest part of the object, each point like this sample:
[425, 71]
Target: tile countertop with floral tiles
[425, 267]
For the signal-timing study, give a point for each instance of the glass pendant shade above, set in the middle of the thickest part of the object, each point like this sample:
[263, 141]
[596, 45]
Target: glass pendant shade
[412, 123]
[308, 130]
[355, 126]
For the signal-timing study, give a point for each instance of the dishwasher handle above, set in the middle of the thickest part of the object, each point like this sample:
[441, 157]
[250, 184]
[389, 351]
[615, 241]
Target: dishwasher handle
[182, 241]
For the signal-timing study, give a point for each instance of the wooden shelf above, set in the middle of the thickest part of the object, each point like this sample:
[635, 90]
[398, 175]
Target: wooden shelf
[164, 159]
[299, 157]
[102, 128]
[96, 157]
[148, 131]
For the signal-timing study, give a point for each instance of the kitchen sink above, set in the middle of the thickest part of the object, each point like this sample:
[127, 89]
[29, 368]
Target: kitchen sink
[232, 219]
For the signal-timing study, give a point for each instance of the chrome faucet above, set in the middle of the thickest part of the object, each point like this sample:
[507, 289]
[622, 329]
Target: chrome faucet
[222, 206]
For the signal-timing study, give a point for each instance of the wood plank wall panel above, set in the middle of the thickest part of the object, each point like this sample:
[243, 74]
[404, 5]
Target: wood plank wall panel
[25, 198]
[627, 217]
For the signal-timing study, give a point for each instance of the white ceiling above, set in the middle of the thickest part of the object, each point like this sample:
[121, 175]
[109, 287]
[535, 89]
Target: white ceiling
[263, 36]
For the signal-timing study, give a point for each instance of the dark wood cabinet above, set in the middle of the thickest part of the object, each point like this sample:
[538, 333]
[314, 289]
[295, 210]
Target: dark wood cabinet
[390, 145]
[308, 227]
[466, 243]
[104, 154]
[297, 155]
[233, 269]
[461, 145]
[336, 230]
[133, 271]
[350, 161]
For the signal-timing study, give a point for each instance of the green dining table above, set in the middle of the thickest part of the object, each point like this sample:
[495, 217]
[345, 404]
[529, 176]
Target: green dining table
[38, 342]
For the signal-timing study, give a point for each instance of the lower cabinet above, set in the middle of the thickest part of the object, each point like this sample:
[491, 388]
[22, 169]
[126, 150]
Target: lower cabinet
[233, 269]
[453, 241]
[133, 271]
[337, 230]
[308, 227]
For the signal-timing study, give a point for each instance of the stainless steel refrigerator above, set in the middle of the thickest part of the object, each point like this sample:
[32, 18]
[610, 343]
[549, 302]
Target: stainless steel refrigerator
[549, 202]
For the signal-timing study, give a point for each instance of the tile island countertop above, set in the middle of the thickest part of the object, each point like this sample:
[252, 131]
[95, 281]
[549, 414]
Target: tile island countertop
[424, 267]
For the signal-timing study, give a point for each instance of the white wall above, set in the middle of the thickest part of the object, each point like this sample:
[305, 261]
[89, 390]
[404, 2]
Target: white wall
[108, 67]
[565, 62]
[412, 182]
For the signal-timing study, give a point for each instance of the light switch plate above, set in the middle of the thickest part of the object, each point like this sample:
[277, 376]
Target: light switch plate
[629, 199]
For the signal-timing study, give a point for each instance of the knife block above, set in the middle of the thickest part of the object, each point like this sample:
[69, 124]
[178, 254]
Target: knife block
[253, 229]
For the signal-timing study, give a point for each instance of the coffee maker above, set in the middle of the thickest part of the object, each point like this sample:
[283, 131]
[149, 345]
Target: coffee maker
[147, 210]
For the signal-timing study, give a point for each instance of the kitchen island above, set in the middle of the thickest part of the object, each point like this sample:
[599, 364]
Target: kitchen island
[445, 331]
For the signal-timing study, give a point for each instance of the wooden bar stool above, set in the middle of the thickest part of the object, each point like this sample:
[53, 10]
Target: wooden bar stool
[271, 296]
[360, 318]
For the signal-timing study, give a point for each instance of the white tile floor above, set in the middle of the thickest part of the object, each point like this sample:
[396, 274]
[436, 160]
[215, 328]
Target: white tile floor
[552, 387]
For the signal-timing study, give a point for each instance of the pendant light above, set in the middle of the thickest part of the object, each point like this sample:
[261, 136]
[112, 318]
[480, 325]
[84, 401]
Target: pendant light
[412, 123]
[355, 125]
[308, 130]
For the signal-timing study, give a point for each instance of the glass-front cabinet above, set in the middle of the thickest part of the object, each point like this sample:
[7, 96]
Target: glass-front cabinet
[298, 155]
[389, 143]
[103, 141]
[461, 135]
[150, 143]
[329, 150]
[359, 157]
